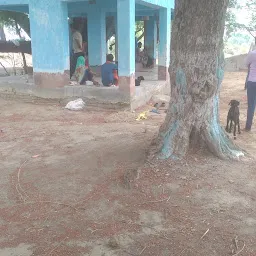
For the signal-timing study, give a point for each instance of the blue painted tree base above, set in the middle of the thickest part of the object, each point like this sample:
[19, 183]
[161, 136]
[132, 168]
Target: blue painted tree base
[196, 73]
[175, 134]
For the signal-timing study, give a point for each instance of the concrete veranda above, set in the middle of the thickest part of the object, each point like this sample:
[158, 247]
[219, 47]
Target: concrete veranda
[24, 85]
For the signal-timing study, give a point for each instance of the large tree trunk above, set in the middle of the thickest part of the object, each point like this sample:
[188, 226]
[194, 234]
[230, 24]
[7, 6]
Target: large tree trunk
[196, 74]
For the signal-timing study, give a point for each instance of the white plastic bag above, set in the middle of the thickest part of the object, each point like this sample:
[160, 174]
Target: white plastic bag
[89, 83]
[75, 105]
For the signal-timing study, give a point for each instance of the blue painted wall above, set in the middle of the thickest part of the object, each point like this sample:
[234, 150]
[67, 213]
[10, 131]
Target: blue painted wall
[162, 3]
[80, 9]
[14, 2]
[50, 35]
[50, 32]
[126, 37]
[15, 8]
[97, 47]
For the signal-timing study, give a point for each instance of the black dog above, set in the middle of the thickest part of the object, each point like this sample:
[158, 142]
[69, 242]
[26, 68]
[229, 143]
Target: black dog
[138, 80]
[233, 116]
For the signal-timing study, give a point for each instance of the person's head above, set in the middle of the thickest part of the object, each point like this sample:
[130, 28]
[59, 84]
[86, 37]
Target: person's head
[139, 44]
[110, 57]
[74, 27]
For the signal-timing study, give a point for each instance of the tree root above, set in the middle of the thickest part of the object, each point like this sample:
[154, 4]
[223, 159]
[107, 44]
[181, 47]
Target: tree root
[184, 128]
[216, 138]
[219, 143]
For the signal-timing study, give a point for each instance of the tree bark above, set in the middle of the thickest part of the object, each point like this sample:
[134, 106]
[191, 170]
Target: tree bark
[196, 73]
[2, 34]
[25, 66]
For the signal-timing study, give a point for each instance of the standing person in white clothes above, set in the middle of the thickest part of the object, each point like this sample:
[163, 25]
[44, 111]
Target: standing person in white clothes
[77, 45]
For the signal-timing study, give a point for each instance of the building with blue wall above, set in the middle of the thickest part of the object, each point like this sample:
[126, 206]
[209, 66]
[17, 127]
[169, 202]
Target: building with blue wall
[50, 37]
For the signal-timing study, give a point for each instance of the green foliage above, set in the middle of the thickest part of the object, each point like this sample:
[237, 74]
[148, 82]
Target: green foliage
[9, 19]
[231, 20]
[240, 26]
[251, 8]
[139, 30]
[139, 33]
[139, 27]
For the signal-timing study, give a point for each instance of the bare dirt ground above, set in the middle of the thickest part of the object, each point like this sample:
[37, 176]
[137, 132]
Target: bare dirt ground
[65, 191]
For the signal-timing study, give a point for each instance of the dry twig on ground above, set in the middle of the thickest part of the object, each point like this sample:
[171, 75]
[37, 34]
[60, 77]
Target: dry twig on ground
[56, 247]
[19, 189]
[239, 250]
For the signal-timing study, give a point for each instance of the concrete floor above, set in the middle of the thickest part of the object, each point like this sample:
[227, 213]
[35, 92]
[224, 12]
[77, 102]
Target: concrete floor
[24, 85]
[149, 75]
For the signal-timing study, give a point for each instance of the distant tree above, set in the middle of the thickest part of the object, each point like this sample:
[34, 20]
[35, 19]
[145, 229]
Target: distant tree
[231, 21]
[251, 8]
[9, 19]
[231, 25]
[16, 21]
[139, 33]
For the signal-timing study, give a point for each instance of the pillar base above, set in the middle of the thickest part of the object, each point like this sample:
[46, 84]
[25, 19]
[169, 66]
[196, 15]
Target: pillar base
[127, 84]
[163, 73]
[154, 62]
[51, 80]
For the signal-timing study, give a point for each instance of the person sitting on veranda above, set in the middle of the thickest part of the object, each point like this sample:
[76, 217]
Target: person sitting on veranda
[83, 72]
[146, 59]
[79, 69]
[109, 74]
[139, 52]
[88, 76]
[143, 57]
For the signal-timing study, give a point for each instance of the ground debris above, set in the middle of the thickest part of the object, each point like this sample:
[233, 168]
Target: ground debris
[113, 243]
[235, 247]
[75, 185]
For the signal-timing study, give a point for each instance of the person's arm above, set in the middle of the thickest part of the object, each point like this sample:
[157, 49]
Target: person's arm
[90, 70]
[79, 41]
[248, 60]
[115, 74]
[83, 47]
[79, 44]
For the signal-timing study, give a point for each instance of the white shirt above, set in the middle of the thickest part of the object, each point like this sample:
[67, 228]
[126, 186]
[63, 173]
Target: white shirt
[251, 62]
[77, 37]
